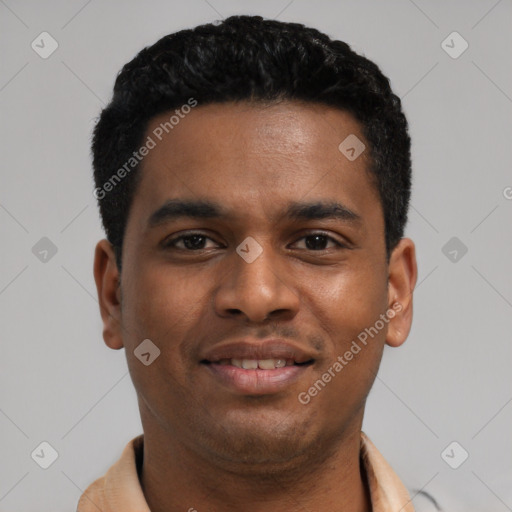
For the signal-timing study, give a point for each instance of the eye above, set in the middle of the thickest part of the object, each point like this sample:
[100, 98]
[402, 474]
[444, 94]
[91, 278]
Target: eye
[190, 242]
[318, 241]
[198, 241]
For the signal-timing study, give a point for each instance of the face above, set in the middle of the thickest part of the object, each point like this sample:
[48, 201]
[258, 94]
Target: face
[254, 259]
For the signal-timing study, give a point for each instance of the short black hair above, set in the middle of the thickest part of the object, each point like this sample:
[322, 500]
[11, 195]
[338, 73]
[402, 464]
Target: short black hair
[249, 58]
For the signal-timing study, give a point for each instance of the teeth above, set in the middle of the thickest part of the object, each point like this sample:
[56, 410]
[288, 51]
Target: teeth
[249, 364]
[267, 364]
[263, 364]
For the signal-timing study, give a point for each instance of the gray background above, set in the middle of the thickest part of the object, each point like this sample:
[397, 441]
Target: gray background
[450, 382]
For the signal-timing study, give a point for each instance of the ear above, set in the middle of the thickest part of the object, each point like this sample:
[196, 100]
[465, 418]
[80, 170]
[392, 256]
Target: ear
[402, 276]
[106, 275]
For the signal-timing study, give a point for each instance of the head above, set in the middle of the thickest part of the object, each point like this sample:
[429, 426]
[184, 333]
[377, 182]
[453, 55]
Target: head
[253, 179]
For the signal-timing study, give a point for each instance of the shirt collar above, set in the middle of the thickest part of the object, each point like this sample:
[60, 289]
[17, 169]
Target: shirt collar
[120, 489]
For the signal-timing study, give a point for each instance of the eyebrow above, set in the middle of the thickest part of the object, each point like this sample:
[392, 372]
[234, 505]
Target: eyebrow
[320, 210]
[178, 208]
[174, 209]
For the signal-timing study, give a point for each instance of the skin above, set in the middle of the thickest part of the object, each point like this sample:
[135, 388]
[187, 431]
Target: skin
[205, 446]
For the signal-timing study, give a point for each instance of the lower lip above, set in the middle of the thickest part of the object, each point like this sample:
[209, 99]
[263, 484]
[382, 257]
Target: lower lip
[256, 382]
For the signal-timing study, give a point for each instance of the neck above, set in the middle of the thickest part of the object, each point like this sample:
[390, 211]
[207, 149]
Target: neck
[175, 478]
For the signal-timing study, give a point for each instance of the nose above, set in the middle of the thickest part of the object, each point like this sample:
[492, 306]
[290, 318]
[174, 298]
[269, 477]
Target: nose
[256, 290]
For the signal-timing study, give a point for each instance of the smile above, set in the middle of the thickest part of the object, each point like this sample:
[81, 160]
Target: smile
[261, 364]
[257, 367]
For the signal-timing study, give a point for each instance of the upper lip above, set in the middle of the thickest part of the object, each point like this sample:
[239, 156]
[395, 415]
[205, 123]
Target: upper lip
[260, 350]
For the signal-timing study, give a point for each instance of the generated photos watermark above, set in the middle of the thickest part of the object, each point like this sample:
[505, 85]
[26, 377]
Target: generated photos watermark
[305, 397]
[151, 141]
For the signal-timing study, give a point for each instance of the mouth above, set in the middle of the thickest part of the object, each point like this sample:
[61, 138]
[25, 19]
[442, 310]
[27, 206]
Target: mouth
[259, 364]
[257, 369]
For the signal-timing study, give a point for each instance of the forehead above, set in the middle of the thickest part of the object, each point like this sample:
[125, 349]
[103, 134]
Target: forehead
[252, 155]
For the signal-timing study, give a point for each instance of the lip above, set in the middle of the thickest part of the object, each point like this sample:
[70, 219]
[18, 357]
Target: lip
[257, 381]
[266, 349]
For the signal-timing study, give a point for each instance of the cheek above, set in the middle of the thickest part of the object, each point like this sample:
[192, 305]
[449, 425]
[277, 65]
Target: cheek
[163, 309]
[350, 300]
[159, 307]
[348, 306]
[160, 303]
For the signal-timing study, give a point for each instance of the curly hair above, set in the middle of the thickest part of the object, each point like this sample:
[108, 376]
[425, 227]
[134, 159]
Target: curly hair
[249, 58]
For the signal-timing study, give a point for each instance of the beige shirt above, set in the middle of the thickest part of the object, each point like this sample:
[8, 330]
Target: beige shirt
[120, 491]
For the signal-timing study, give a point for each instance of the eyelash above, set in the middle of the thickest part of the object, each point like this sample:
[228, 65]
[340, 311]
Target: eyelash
[171, 244]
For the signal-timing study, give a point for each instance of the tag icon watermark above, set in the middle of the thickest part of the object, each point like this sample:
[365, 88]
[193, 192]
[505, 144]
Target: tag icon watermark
[146, 352]
[454, 249]
[44, 45]
[454, 45]
[44, 250]
[44, 455]
[454, 455]
[352, 147]
[249, 249]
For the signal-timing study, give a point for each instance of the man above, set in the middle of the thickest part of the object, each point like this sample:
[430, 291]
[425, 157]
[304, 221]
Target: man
[253, 179]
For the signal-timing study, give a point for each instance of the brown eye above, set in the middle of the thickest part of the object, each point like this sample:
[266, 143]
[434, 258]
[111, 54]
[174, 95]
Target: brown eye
[318, 242]
[191, 242]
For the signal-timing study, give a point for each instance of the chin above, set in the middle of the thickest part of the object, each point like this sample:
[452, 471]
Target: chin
[259, 446]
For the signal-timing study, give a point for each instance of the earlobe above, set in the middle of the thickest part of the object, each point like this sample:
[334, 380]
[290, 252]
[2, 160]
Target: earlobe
[403, 273]
[106, 276]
